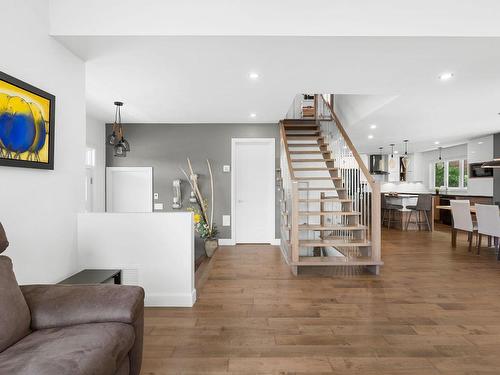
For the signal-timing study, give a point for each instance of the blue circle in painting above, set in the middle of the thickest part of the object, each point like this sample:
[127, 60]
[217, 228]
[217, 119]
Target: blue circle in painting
[17, 131]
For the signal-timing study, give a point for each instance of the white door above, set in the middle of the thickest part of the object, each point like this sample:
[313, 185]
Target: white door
[253, 166]
[129, 189]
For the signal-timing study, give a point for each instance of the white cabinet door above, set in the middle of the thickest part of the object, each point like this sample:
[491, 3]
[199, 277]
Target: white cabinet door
[129, 189]
[253, 190]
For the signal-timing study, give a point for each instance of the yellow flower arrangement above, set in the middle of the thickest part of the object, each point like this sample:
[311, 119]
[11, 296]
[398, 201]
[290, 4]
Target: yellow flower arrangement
[197, 218]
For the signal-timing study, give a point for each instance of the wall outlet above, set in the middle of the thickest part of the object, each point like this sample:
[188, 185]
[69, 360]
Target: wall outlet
[226, 220]
[226, 168]
[158, 206]
[156, 196]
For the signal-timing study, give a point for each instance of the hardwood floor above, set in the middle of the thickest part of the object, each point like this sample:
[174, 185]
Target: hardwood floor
[433, 310]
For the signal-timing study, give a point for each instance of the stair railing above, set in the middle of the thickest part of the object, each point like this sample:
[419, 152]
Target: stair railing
[289, 205]
[360, 186]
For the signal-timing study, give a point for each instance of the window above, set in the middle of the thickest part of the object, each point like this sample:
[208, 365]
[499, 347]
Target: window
[439, 174]
[452, 174]
[466, 173]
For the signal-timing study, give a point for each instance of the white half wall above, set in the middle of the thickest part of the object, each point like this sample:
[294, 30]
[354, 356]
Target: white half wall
[38, 207]
[155, 250]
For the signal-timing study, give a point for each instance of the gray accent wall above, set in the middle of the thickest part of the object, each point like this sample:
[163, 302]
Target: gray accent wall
[165, 147]
[496, 171]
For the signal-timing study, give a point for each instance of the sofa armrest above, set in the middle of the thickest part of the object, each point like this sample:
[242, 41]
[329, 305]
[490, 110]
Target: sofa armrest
[65, 305]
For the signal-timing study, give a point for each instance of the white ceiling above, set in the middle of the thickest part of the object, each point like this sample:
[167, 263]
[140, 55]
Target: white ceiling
[394, 79]
[445, 18]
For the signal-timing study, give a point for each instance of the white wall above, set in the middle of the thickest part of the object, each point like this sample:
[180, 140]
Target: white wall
[96, 133]
[38, 207]
[155, 250]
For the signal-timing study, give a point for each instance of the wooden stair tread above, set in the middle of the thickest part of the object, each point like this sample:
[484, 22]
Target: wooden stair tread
[331, 227]
[299, 121]
[323, 213]
[318, 178]
[328, 199]
[307, 169]
[334, 242]
[312, 152]
[311, 160]
[336, 261]
[296, 137]
[321, 189]
[302, 127]
[303, 145]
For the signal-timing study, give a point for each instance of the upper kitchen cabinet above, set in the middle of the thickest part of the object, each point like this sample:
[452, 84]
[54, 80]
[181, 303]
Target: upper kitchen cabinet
[480, 150]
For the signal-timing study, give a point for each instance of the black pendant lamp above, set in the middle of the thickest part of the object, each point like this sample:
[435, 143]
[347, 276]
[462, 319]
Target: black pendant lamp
[405, 143]
[116, 138]
[440, 149]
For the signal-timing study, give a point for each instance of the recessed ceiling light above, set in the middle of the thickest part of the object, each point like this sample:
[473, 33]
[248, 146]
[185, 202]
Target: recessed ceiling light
[373, 126]
[446, 76]
[480, 143]
[253, 75]
[253, 115]
[370, 136]
[436, 143]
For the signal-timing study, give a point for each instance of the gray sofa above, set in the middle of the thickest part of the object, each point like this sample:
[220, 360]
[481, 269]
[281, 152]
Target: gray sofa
[68, 329]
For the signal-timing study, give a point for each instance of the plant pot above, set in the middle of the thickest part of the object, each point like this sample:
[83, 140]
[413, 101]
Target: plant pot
[210, 247]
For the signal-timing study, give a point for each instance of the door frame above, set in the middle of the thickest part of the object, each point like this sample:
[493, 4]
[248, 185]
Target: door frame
[109, 183]
[271, 210]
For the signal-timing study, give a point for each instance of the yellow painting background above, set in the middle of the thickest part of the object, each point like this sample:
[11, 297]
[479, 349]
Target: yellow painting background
[44, 106]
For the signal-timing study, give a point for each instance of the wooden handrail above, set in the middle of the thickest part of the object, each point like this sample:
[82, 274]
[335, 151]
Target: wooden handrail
[288, 158]
[355, 153]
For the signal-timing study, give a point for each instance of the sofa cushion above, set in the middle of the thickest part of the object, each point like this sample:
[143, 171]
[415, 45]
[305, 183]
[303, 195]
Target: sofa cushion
[85, 349]
[15, 316]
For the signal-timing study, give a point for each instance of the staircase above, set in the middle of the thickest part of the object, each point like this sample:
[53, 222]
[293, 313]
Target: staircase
[330, 205]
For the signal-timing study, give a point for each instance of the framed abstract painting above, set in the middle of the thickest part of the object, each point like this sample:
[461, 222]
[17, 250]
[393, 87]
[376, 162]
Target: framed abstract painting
[26, 125]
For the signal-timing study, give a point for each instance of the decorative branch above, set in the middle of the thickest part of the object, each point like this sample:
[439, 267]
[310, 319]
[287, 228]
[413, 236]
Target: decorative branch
[212, 195]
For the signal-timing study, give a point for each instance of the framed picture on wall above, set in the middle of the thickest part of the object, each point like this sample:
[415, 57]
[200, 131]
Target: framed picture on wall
[26, 125]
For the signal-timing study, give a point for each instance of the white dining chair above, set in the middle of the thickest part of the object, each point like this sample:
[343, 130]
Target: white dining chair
[462, 219]
[488, 224]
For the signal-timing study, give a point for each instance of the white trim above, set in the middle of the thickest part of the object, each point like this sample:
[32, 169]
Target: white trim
[276, 242]
[170, 300]
[226, 242]
[272, 209]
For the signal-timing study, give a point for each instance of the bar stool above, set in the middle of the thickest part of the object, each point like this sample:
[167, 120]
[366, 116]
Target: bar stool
[390, 209]
[424, 204]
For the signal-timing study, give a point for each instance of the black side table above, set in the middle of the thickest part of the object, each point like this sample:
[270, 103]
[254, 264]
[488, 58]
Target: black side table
[94, 277]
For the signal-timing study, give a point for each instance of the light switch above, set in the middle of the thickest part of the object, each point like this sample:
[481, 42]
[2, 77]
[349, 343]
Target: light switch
[226, 220]
[158, 206]
[226, 168]
[156, 196]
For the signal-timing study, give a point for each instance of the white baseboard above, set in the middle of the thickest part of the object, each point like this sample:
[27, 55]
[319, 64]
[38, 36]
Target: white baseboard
[170, 300]
[276, 242]
[226, 242]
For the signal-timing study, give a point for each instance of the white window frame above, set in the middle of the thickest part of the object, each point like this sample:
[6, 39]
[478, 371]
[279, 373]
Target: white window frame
[446, 162]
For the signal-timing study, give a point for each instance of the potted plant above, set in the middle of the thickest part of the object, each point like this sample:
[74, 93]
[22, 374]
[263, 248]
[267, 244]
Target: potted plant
[203, 222]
